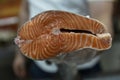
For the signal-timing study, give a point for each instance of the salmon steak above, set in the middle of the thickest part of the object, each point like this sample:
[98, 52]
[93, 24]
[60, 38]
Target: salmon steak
[53, 32]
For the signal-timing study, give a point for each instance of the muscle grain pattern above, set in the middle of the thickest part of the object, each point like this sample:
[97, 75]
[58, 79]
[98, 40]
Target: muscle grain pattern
[42, 37]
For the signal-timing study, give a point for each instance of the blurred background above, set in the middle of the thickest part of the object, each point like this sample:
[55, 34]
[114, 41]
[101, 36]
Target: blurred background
[9, 22]
[9, 10]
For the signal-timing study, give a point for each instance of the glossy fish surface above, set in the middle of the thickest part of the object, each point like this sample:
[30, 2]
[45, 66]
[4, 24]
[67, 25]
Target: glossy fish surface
[51, 33]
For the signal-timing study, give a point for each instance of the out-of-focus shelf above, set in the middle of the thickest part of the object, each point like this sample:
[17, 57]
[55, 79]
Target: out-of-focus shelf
[9, 14]
[9, 23]
[9, 8]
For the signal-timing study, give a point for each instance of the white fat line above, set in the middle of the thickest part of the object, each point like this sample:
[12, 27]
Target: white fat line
[34, 46]
[43, 16]
[57, 22]
[75, 42]
[30, 52]
[46, 54]
[42, 53]
[80, 40]
[91, 42]
[97, 43]
[89, 27]
[38, 19]
[93, 26]
[86, 41]
[100, 43]
[98, 28]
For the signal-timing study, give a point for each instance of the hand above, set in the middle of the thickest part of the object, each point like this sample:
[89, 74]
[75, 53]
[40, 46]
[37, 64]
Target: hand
[19, 66]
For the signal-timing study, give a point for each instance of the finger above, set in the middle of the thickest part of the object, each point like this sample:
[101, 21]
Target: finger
[19, 69]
